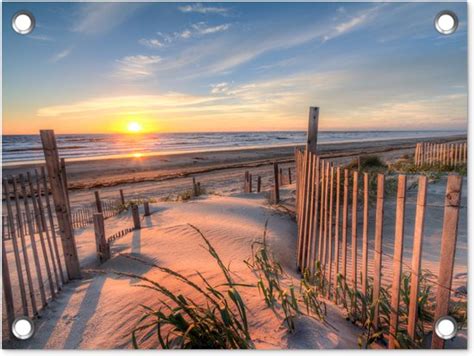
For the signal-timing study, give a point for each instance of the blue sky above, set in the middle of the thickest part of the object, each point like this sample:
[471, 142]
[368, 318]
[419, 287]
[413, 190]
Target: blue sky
[233, 67]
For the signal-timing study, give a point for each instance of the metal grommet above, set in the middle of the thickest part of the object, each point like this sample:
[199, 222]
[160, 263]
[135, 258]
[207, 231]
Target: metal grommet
[23, 328]
[23, 22]
[446, 22]
[446, 327]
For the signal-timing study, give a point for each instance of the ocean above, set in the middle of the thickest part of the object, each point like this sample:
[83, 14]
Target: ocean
[27, 148]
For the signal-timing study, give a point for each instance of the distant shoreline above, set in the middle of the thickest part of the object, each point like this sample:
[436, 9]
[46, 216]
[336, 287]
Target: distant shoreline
[30, 163]
[109, 172]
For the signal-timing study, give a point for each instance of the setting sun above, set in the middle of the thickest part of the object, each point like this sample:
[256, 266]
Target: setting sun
[134, 127]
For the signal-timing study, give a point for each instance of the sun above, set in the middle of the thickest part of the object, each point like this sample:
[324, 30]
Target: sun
[134, 127]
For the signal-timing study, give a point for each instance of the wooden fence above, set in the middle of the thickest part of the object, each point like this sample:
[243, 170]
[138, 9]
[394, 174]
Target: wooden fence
[82, 217]
[444, 154]
[328, 207]
[281, 177]
[34, 265]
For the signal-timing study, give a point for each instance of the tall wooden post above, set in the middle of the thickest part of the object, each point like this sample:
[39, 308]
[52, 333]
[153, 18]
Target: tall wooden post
[98, 202]
[66, 230]
[448, 251]
[311, 144]
[276, 184]
[136, 217]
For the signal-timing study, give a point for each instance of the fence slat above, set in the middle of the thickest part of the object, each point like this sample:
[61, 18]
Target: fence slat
[41, 237]
[336, 229]
[11, 224]
[355, 193]
[397, 260]
[304, 209]
[314, 231]
[26, 260]
[417, 254]
[309, 215]
[6, 281]
[448, 251]
[345, 213]
[46, 231]
[31, 232]
[365, 241]
[330, 235]
[379, 213]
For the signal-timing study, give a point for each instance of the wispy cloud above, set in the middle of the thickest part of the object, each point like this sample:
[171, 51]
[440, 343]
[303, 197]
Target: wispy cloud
[130, 102]
[61, 55]
[202, 9]
[136, 67]
[151, 43]
[195, 30]
[219, 88]
[202, 28]
[95, 18]
[40, 37]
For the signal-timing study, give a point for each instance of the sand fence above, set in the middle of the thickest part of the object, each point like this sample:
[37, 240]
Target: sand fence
[444, 154]
[328, 207]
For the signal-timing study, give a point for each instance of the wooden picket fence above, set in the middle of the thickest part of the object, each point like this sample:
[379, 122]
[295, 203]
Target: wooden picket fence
[33, 261]
[328, 196]
[279, 179]
[444, 154]
[83, 217]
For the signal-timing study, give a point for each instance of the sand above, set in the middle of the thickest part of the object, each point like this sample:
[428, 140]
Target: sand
[100, 310]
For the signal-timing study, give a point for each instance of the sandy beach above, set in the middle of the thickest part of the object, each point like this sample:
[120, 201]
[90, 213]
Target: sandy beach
[86, 310]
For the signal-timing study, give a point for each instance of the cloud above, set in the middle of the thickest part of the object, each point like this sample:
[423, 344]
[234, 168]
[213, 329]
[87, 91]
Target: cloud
[168, 100]
[96, 18]
[151, 43]
[61, 55]
[40, 37]
[136, 67]
[202, 29]
[197, 29]
[201, 9]
[219, 88]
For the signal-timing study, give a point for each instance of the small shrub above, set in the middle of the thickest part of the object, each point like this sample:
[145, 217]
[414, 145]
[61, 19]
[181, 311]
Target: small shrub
[367, 163]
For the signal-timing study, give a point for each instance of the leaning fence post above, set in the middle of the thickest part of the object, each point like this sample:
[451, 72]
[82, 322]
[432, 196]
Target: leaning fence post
[448, 249]
[397, 260]
[51, 156]
[146, 206]
[276, 184]
[136, 217]
[102, 246]
[417, 252]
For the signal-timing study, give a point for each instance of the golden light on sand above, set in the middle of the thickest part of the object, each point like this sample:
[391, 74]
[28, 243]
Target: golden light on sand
[134, 127]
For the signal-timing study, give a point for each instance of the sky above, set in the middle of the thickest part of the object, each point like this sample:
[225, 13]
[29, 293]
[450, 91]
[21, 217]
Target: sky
[186, 67]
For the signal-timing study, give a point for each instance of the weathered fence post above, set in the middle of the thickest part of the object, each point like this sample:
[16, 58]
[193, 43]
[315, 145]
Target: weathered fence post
[146, 207]
[64, 178]
[276, 184]
[136, 217]
[259, 184]
[122, 198]
[195, 188]
[416, 257]
[311, 144]
[98, 202]
[448, 250]
[102, 246]
[355, 196]
[289, 175]
[397, 260]
[250, 183]
[51, 156]
[7, 285]
[365, 242]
